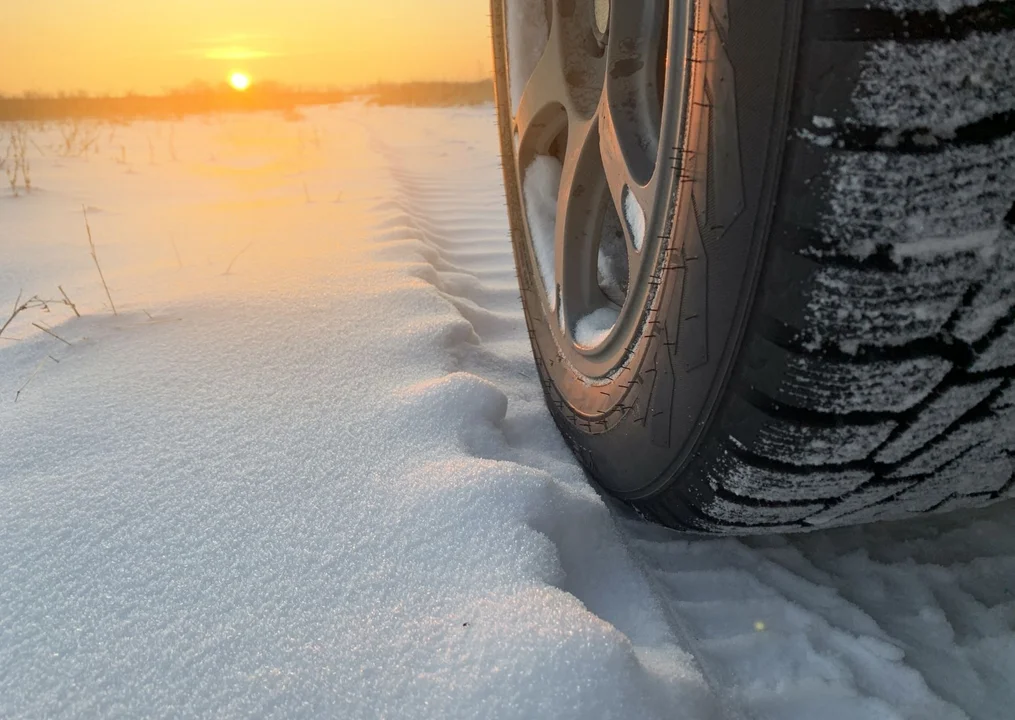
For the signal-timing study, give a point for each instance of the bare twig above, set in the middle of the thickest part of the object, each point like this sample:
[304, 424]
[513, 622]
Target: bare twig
[95, 257]
[306, 192]
[232, 262]
[67, 300]
[50, 332]
[147, 313]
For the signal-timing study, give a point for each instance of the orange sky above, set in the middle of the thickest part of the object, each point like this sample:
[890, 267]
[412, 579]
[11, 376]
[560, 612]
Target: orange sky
[114, 46]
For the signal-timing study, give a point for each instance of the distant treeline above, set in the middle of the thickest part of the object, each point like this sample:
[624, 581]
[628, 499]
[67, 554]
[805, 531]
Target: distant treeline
[432, 94]
[202, 99]
[191, 101]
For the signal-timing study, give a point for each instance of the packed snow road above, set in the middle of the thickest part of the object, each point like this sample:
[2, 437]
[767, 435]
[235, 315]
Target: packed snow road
[306, 470]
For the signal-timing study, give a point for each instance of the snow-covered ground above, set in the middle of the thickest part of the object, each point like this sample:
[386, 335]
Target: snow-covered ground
[323, 484]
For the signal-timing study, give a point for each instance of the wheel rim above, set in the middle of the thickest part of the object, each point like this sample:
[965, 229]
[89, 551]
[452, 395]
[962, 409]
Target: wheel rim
[597, 94]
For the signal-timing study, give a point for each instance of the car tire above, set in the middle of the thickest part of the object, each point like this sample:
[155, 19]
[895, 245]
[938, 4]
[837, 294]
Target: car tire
[794, 305]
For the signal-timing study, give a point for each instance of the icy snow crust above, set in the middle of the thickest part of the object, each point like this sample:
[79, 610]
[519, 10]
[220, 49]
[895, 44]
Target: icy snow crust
[325, 484]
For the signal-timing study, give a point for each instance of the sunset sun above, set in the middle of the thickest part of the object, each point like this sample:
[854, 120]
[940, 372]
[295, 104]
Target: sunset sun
[239, 81]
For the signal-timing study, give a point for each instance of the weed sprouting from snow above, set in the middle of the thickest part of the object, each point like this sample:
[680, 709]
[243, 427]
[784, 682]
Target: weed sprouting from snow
[34, 303]
[76, 141]
[15, 162]
[11, 170]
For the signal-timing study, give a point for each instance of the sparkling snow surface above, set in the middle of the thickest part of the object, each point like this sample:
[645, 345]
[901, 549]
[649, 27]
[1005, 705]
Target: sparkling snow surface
[324, 484]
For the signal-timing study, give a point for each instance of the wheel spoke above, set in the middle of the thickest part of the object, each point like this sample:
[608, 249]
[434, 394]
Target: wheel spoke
[633, 201]
[578, 200]
[630, 112]
[538, 119]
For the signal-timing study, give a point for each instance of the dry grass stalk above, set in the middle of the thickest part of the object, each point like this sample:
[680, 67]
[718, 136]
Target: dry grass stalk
[95, 257]
[35, 303]
[66, 299]
[50, 332]
[18, 309]
[12, 167]
[19, 141]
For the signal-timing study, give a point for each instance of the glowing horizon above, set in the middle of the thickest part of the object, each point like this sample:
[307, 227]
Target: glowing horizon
[311, 43]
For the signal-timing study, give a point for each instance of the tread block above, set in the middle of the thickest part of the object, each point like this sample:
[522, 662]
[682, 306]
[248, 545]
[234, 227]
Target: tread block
[903, 6]
[915, 20]
[739, 477]
[933, 420]
[941, 85]
[952, 445]
[864, 498]
[996, 298]
[1000, 353]
[917, 205]
[738, 513]
[993, 434]
[982, 470]
[1006, 399]
[864, 307]
[886, 510]
[801, 443]
[828, 385]
[964, 502]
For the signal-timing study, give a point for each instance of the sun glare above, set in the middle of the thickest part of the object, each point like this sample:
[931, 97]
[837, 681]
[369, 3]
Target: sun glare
[239, 81]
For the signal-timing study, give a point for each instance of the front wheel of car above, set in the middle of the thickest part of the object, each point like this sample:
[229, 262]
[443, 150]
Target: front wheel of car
[766, 250]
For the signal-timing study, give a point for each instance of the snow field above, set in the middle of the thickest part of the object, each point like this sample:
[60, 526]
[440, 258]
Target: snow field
[326, 485]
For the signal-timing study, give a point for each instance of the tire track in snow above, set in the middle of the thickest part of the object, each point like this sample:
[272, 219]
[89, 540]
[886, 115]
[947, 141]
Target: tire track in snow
[450, 223]
[909, 620]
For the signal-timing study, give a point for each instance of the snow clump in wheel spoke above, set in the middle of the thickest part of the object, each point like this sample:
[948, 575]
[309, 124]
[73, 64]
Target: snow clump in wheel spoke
[635, 216]
[541, 187]
[595, 327]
